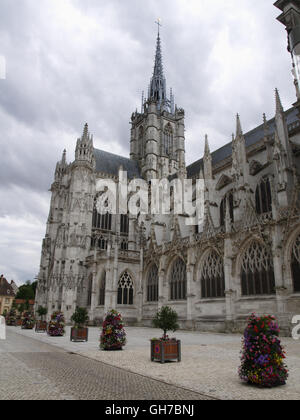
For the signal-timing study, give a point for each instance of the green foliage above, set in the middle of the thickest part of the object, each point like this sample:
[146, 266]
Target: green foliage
[80, 317]
[166, 319]
[27, 291]
[42, 311]
[21, 308]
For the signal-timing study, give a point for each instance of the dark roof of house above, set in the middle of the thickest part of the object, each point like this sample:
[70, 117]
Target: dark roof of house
[110, 164]
[251, 138]
[5, 288]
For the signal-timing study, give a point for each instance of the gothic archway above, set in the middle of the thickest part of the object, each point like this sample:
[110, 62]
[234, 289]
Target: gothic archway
[178, 280]
[152, 284]
[212, 277]
[125, 289]
[257, 270]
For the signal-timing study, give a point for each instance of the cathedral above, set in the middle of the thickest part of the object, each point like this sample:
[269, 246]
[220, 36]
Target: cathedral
[245, 257]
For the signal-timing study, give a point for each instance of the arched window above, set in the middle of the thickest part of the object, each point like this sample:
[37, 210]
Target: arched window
[167, 146]
[229, 197]
[295, 265]
[212, 276]
[124, 225]
[152, 284]
[102, 290]
[101, 221]
[178, 280]
[99, 242]
[141, 142]
[257, 272]
[125, 290]
[89, 291]
[263, 197]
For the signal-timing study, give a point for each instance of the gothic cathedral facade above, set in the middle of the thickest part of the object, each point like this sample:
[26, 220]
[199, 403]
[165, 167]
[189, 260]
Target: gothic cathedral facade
[245, 259]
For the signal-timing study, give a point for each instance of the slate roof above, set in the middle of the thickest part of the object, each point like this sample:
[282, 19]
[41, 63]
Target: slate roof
[109, 163]
[251, 138]
[5, 288]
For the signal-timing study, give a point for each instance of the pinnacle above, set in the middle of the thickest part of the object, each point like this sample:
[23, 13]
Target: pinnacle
[279, 107]
[239, 131]
[206, 150]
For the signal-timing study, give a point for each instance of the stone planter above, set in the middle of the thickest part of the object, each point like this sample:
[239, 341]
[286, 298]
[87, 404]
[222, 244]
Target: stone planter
[164, 351]
[40, 326]
[79, 334]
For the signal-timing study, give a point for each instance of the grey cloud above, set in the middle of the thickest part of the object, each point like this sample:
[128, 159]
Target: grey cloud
[81, 61]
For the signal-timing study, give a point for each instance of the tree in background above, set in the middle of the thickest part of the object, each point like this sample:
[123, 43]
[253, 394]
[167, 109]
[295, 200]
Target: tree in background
[27, 291]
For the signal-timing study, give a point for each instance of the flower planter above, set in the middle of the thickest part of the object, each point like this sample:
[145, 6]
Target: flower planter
[27, 326]
[164, 351]
[79, 334]
[41, 326]
[19, 322]
[11, 323]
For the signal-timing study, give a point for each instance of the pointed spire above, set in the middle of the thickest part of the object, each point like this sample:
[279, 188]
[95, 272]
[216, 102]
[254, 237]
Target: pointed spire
[207, 160]
[85, 134]
[239, 131]
[279, 107]
[63, 159]
[206, 149]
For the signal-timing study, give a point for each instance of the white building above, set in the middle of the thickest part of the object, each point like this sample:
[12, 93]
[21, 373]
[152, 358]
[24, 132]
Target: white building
[246, 259]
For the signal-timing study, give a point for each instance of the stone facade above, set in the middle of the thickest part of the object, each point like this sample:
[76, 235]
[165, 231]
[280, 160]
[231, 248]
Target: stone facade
[246, 259]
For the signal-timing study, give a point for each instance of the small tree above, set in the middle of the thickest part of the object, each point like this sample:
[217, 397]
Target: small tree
[21, 308]
[167, 320]
[80, 317]
[42, 312]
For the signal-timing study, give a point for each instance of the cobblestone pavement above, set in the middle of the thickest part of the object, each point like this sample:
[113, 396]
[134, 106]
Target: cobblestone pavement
[209, 362]
[33, 370]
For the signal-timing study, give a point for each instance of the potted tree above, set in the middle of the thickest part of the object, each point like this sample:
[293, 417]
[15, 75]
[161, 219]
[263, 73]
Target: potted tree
[79, 332]
[28, 321]
[41, 324]
[56, 326]
[113, 335]
[21, 309]
[165, 348]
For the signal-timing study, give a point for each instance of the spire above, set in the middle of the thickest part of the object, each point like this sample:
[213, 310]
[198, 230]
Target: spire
[239, 131]
[206, 149]
[207, 161]
[279, 107]
[85, 132]
[63, 159]
[158, 87]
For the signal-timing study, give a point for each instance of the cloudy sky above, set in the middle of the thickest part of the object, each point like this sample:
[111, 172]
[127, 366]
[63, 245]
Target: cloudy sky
[74, 61]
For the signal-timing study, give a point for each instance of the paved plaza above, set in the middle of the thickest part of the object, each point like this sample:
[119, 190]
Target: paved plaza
[208, 368]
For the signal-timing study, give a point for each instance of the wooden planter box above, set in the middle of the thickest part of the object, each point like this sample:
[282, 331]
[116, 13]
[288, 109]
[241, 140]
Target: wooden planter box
[79, 334]
[164, 351]
[41, 326]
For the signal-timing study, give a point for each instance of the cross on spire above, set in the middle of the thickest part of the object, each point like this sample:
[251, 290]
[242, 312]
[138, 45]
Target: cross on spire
[158, 24]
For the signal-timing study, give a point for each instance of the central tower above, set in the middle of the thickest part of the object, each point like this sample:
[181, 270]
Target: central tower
[157, 133]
